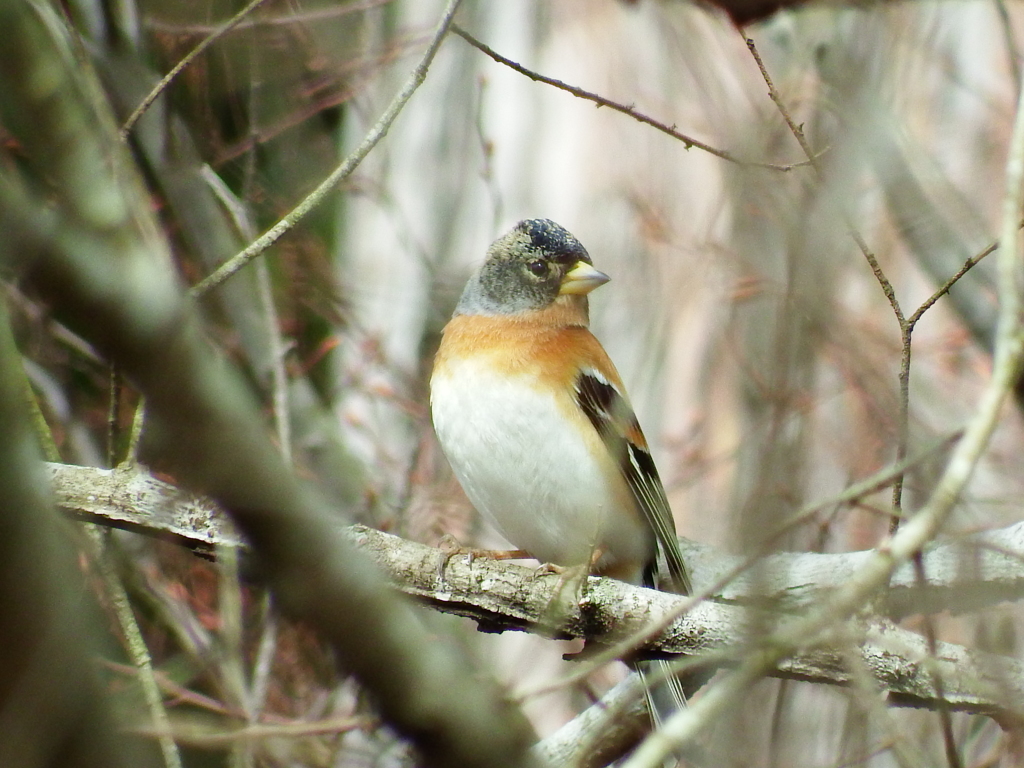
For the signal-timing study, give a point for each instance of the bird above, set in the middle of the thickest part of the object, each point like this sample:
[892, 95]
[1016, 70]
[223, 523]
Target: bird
[535, 422]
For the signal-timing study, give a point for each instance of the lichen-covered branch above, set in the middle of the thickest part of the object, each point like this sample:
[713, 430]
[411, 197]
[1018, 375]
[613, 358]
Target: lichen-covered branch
[964, 574]
[508, 596]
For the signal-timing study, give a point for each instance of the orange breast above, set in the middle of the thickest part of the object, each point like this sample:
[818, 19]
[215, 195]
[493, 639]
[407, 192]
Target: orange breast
[530, 345]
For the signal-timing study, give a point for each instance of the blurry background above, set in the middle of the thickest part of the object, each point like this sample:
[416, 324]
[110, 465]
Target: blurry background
[758, 347]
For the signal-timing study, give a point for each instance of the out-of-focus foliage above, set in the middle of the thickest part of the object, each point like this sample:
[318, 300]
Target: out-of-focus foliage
[758, 346]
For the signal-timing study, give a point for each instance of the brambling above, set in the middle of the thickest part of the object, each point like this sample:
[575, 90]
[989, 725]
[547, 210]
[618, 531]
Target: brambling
[535, 421]
[536, 425]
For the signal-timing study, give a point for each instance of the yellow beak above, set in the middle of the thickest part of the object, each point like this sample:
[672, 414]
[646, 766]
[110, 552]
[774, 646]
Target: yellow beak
[582, 279]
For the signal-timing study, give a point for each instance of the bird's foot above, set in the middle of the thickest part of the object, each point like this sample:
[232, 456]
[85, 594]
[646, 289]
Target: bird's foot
[451, 547]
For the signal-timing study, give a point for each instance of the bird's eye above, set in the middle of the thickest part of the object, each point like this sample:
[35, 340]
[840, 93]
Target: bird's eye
[538, 267]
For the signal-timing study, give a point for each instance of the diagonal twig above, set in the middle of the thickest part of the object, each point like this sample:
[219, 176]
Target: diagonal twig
[801, 138]
[165, 81]
[601, 101]
[906, 329]
[344, 170]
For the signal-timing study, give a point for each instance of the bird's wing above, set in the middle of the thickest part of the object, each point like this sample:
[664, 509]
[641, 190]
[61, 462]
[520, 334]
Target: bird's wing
[613, 418]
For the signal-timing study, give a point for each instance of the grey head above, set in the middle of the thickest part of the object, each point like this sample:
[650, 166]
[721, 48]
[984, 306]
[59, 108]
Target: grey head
[528, 269]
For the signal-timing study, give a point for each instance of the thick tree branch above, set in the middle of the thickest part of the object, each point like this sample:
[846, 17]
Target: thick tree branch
[964, 574]
[504, 596]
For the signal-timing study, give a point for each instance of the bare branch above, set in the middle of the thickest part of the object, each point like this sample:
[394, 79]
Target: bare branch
[967, 573]
[188, 59]
[505, 596]
[343, 171]
[601, 101]
[798, 134]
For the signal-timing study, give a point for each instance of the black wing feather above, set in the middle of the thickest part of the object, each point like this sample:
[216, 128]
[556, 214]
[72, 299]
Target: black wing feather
[613, 418]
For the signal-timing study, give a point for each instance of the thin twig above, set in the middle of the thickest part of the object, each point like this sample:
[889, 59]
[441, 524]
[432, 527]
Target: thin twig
[113, 413]
[232, 738]
[773, 94]
[263, 664]
[906, 334]
[177, 692]
[601, 101]
[135, 643]
[378, 132]
[135, 438]
[801, 138]
[903, 428]
[277, 349]
[232, 667]
[188, 59]
[903, 420]
[944, 289]
[941, 704]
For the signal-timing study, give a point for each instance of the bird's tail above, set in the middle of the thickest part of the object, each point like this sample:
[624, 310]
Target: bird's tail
[664, 693]
[663, 690]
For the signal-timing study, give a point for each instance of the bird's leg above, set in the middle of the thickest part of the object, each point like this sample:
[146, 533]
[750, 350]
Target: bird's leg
[451, 547]
[546, 568]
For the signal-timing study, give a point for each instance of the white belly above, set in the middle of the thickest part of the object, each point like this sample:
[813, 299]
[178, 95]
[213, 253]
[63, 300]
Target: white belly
[541, 487]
